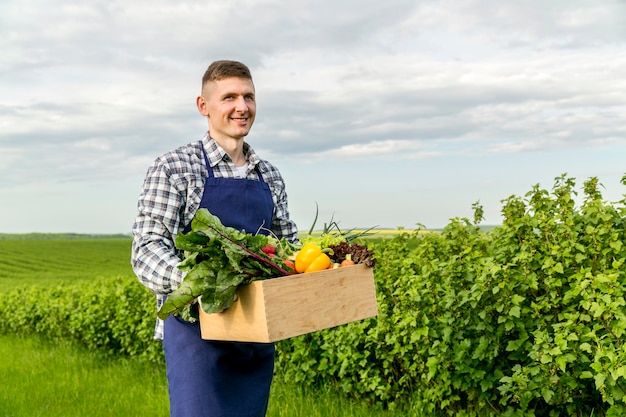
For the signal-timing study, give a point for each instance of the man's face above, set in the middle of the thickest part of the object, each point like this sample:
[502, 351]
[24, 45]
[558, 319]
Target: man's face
[230, 106]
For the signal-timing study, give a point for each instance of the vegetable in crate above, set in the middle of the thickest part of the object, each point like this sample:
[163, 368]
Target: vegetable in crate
[342, 245]
[218, 259]
[347, 261]
[311, 258]
[357, 253]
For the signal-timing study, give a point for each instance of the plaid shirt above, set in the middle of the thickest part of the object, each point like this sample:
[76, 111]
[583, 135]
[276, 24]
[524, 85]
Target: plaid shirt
[170, 197]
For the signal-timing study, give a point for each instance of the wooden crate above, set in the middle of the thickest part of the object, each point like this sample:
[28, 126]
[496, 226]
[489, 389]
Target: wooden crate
[280, 308]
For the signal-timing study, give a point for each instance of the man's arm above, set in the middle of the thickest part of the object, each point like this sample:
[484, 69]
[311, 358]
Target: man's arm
[160, 208]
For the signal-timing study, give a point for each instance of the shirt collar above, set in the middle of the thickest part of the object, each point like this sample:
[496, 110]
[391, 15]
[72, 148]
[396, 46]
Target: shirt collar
[216, 154]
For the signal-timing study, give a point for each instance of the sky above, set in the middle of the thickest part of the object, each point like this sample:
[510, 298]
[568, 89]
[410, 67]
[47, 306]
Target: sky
[385, 114]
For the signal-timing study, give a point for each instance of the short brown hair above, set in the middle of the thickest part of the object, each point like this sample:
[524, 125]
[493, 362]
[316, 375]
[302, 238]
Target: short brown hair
[219, 70]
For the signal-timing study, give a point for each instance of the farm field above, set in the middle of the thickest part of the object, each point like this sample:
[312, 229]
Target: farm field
[24, 261]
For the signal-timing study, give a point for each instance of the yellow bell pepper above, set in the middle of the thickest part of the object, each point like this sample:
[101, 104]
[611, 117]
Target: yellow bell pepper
[310, 258]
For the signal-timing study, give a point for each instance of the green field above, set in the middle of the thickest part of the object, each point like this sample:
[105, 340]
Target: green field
[24, 261]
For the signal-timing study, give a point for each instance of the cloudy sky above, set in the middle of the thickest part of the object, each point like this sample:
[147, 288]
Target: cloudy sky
[383, 113]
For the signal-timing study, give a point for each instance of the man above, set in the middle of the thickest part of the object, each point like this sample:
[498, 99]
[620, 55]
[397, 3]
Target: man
[223, 174]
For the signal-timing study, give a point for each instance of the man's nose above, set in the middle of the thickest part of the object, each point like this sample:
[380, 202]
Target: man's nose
[241, 104]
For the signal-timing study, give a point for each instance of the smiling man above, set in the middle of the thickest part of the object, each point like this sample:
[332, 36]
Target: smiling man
[223, 174]
[230, 106]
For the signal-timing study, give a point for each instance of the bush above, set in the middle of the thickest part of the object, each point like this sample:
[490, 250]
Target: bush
[527, 319]
[114, 315]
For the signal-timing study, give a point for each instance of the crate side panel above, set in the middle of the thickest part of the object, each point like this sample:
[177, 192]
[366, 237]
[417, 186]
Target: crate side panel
[309, 302]
[244, 321]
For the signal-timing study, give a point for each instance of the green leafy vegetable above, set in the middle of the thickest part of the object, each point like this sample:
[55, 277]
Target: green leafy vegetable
[218, 259]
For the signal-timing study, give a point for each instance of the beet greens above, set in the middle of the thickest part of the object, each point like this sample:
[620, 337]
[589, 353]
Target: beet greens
[217, 260]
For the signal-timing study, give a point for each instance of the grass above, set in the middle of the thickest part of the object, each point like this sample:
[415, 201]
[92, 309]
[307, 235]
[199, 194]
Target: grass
[298, 402]
[45, 379]
[42, 379]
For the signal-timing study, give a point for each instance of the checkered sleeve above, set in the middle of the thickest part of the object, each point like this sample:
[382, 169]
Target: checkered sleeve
[168, 200]
[154, 258]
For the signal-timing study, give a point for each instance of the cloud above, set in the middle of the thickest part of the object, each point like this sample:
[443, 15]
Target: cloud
[535, 99]
[94, 91]
[382, 149]
[534, 24]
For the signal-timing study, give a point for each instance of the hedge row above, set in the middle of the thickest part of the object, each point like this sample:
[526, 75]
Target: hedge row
[115, 315]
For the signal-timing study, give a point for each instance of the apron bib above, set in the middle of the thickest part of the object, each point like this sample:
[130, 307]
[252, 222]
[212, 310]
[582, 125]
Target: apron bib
[215, 378]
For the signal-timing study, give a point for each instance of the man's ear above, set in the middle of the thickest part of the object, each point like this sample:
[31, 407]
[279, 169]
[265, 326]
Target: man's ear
[202, 106]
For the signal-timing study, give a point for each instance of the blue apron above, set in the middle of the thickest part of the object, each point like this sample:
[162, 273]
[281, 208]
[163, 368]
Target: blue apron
[214, 378]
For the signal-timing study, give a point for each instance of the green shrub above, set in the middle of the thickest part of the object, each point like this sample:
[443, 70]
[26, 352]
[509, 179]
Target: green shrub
[527, 319]
[114, 315]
